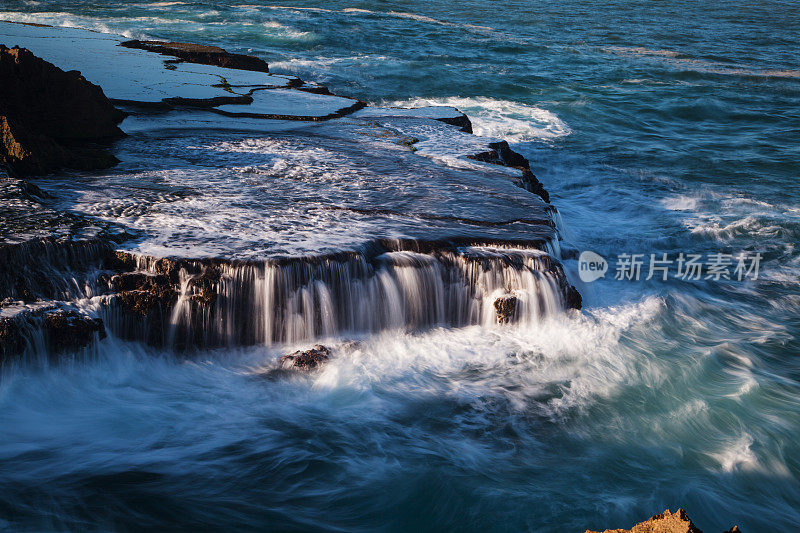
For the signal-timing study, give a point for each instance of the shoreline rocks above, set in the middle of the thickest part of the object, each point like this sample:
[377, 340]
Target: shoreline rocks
[202, 54]
[47, 116]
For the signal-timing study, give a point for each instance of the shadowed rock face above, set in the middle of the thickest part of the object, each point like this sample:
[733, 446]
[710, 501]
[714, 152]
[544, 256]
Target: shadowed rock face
[61, 330]
[69, 329]
[666, 522]
[45, 112]
[198, 53]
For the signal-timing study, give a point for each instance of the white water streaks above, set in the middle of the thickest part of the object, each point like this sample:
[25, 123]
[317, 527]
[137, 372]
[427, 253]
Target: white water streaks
[512, 121]
[317, 298]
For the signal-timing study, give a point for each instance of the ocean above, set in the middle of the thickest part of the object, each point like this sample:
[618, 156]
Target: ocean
[657, 128]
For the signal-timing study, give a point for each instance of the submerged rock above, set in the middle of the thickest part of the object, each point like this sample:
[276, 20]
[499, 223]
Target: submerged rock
[45, 113]
[506, 308]
[666, 522]
[198, 53]
[308, 359]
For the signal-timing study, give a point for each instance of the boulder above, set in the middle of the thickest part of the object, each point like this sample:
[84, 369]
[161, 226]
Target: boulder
[506, 308]
[47, 115]
[666, 522]
[308, 359]
[198, 53]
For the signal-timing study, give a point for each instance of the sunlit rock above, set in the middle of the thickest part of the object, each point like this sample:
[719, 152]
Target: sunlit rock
[666, 522]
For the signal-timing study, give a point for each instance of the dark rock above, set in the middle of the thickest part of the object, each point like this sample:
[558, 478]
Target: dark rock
[315, 89]
[308, 359]
[67, 330]
[500, 153]
[573, 299]
[462, 122]
[204, 286]
[141, 293]
[12, 342]
[47, 116]
[198, 53]
[208, 103]
[506, 308]
[531, 184]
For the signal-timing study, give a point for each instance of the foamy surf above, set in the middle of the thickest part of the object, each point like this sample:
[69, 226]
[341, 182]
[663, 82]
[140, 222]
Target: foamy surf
[503, 119]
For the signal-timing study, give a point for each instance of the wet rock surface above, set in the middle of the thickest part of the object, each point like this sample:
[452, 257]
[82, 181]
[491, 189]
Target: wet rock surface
[47, 116]
[71, 330]
[59, 330]
[506, 308]
[500, 153]
[666, 522]
[142, 293]
[198, 53]
[264, 285]
[308, 359]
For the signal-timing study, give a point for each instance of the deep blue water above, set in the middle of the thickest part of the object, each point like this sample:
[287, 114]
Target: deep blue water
[657, 128]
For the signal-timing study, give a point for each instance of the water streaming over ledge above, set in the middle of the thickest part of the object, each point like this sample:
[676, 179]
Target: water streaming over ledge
[310, 298]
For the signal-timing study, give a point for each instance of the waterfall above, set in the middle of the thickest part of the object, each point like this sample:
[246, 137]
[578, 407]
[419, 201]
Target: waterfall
[291, 300]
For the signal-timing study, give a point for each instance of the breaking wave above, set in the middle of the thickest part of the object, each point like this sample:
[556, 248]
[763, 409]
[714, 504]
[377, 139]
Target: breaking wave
[514, 121]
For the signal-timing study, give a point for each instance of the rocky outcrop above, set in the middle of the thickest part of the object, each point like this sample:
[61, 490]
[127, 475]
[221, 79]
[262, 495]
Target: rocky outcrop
[573, 298]
[500, 153]
[67, 330]
[462, 122]
[142, 293]
[58, 331]
[198, 53]
[48, 115]
[308, 359]
[666, 522]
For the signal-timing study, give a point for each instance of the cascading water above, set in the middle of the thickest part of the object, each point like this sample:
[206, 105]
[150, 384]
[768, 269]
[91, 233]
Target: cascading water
[288, 301]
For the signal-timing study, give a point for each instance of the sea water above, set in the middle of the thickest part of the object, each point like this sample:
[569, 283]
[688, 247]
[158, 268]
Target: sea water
[668, 127]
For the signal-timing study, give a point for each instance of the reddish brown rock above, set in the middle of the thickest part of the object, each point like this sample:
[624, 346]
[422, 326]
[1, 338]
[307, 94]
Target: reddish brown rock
[48, 115]
[204, 285]
[308, 359]
[666, 522]
[198, 53]
[506, 308]
[140, 292]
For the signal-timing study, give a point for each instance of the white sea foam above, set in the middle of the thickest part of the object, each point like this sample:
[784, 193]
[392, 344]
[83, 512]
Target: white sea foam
[277, 30]
[504, 119]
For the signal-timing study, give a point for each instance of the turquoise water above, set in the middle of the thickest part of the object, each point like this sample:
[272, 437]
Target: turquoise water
[657, 128]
